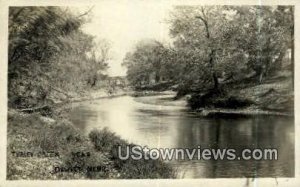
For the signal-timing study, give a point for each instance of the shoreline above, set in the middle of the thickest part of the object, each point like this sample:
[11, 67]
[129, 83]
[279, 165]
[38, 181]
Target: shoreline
[60, 104]
[238, 112]
[57, 132]
[167, 100]
[32, 132]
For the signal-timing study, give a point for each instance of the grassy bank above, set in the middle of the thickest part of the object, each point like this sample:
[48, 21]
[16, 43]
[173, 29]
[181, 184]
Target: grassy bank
[47, 148]
[274, 96]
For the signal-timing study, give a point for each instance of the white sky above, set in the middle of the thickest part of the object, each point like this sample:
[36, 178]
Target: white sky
[124, 24]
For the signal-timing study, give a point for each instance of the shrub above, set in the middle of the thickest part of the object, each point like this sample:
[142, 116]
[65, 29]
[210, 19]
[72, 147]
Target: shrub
[104, 140]
[217, 99]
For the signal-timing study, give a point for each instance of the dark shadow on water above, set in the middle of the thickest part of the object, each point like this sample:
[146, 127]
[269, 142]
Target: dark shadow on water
[242, 133]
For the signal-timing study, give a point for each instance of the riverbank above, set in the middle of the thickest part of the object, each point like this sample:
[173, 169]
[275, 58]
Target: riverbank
[168, 100]
[237, 112]
[58, 103]
[146, 93]
[273, 97]
[90, 95]
[41, 146]
[165, 99]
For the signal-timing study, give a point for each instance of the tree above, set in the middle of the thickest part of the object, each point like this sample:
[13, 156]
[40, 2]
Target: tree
[99, 56]
[44, 44]
[203, 17]
[267, 39]
[205, 33]
[148, 62]
[223, 42]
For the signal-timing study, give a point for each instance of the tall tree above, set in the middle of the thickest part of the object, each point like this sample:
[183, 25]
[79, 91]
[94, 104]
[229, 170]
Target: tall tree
[202, 32]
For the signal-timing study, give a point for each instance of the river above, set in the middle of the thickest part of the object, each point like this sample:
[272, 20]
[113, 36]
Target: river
[159, 124]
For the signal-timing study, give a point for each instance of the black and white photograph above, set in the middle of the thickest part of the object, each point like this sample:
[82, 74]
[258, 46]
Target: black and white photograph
[150, 90]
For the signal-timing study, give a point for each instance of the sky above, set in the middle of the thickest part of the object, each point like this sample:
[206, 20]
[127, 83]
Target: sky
[124, 24]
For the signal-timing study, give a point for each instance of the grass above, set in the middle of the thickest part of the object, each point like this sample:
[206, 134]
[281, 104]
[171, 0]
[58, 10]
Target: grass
[94, 155]
[129, 169]
[273, 95]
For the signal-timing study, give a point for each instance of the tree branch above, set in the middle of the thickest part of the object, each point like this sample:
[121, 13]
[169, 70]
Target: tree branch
[87, 12]
[205, 24]
[17, 14]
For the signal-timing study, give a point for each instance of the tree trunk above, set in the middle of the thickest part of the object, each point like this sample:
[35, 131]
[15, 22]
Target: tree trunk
[216, 81]
[261, 77]
[157, 78]
[212, 53]
[214, 75]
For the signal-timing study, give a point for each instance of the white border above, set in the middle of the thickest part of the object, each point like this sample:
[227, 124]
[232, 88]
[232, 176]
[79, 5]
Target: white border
[230, 182]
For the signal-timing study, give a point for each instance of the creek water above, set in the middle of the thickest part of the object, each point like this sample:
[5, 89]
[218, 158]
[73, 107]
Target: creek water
[159, 125]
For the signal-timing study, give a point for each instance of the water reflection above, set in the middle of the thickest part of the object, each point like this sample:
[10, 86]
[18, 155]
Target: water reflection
[173, 127]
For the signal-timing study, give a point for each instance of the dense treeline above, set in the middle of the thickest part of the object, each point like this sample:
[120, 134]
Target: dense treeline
[150, 62]
[50, 57]
[214, 46]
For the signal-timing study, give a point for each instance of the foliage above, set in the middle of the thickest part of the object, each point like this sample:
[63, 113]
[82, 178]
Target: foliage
[216, 45]
[32, 133]
[218, 99]
[44, 44]
[107, 141]
[266, 37]
[148, 63]
[229, 41]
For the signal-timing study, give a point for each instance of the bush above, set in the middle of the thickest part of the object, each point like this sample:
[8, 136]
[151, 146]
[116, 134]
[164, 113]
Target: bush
[31, 132]
[28, 132]
[217, 99]
[205, 100]
[107, 141]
